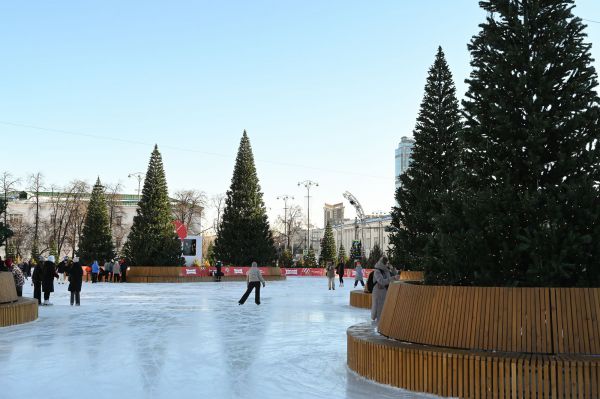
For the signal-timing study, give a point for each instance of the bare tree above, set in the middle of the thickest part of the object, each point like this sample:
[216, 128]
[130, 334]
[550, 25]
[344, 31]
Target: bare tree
[8, 183]
[36, 184]
[113, 201]
[189, 206]
[65, 210]
[294, 224]
[218, 202]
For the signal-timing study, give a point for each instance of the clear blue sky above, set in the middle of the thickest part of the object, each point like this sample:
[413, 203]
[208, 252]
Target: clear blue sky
[325, 89]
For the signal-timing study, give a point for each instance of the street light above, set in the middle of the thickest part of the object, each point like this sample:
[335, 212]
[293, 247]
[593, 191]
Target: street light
[139, 176]
[308, 184]
[285, 199]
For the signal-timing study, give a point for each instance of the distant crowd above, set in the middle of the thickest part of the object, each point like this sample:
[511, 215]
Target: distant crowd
[67, 271]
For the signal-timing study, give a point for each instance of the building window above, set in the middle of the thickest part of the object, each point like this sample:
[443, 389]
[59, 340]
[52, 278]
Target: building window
[118, 221]
[52, 219]
[15, 219]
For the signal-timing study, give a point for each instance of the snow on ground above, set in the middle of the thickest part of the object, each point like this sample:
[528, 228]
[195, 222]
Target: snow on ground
[188, 341]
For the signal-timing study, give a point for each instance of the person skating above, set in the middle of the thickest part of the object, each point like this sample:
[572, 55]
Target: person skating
[17, 276]
[382, 279]
[219, 265]
[116, 266]
[330, 273]
[254, 280]
[48, 276]
[123, 270]
[75, 280]
[95, 270]
[340, 272]
[358, 275]
[36, 280]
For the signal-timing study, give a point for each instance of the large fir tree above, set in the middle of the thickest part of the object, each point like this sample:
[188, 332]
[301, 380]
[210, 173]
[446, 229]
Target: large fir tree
[429, 178]
[328, 252]
[528, 212]
[244, 235]
[152, 240]
[96, 240]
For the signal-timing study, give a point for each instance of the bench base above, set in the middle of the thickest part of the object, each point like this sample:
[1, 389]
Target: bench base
[21, 311]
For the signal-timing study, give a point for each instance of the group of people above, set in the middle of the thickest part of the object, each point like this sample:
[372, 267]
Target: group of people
[331, 271]
[113, 270]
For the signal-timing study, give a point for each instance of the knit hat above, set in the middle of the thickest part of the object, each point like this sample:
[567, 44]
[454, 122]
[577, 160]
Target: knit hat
[76, 259]
[51, 258]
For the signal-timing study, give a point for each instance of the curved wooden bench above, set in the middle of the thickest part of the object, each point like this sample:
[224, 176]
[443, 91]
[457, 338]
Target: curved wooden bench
[409, 275]
[360, 299]
[470, 374]
[13, 309]
[8, 292]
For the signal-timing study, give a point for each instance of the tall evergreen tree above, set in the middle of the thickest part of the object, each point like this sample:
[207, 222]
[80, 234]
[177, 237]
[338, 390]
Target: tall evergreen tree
[96, 241]
[342, 254]
[429, 178]
[374, 256]
[328, 253]
[528, 213]
[152, 240]
[244, 235]
[310, 259]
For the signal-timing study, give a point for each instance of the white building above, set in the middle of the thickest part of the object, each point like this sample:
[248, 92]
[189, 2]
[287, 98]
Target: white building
[403, 157]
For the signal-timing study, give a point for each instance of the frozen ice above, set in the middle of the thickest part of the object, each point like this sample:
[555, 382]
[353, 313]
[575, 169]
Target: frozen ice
[188, 341]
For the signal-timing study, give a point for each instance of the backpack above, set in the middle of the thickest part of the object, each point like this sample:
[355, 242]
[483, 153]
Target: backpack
[370, 281]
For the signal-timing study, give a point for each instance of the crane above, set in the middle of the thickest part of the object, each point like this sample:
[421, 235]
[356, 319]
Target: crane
[360, 214]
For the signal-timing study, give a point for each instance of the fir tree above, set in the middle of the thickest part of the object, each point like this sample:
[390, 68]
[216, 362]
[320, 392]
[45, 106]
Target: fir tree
[356, 251]
[244, 235]
[429, 177]
[285, 260]
[328, 245]
[310, 259]
[374, 255]
[96, 241]
[528, 213]
[152, 240]
[342, 255]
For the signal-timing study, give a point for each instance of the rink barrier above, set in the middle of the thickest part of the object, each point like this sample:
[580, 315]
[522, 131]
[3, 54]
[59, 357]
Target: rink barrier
[8, 292]
[360, 299]
[176, 274]
[484, 342]
[470, 374]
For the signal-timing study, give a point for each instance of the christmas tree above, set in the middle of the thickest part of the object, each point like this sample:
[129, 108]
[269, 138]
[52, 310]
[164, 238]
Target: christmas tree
[152, 240]
[328, 245]
[527, 211]
[244, 235]
[310, 259]
[374, 256]
[429, 178]
[356, 251]
[96, 241]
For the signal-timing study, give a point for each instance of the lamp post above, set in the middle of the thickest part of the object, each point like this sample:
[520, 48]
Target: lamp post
[139, 176]
[308, 184]
[285, 199]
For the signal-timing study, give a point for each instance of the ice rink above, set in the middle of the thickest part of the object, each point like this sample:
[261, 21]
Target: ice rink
[188, 341]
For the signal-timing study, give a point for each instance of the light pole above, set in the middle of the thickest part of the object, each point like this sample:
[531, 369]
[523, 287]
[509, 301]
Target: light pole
[285, 199]
[308, 184]
[139, 176]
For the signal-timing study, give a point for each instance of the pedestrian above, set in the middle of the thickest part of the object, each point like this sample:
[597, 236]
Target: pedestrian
[358, 274]
[17, 275]
[36, 280]
[381, 279]
[340, 271]
[28, 267]
[123, 270]
[116, 271]
[60, 268]
[219, 265]
[330, 273]
[254, 279]
[75, 280]
[95, 270]
[108, 268]
[48, 275]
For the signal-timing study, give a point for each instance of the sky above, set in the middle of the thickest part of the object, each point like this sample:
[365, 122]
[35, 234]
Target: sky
[325, 90]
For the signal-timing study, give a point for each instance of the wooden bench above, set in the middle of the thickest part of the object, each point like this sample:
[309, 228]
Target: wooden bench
[360, 299]
[14, 309]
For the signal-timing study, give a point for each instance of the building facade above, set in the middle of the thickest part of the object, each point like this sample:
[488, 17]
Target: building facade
[403, 157]
[333, 214]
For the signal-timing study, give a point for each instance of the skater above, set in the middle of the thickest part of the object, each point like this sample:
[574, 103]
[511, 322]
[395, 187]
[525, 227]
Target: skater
[358, 275]
[95, 270]
[116, 271]
[123, 270]
[61, 270]
[48, 275]
[36, 281]
[330, 273]
[108, 269]
[75, 279]
[382, 279]
[219, 265]
[254, 280]
[340, 271]
[17, 276]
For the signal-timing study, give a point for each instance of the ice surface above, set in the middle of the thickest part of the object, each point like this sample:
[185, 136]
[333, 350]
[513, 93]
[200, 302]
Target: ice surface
[188, 341]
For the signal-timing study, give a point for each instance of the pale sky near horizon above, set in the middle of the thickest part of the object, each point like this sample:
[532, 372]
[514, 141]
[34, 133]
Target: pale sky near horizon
[325, 89]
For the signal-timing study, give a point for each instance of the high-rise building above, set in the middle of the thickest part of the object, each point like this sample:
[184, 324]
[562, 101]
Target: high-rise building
[403, 157]
[333, 214]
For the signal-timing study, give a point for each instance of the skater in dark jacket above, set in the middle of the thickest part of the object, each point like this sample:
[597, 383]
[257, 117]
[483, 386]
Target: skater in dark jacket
[48, 276]
[75, 279]
[340, 272]
[36, 279]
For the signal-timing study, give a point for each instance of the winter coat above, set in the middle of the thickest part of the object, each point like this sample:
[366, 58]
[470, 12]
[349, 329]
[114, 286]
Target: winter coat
[340, 269]
[95, 267]
[116, 268]
[48, 275]
[18, 276]
[75, 277]
[61, 267]
[254, 275]
[108, 266]
[382, 279]
[358, 273]
[36, 277]
[330, 271]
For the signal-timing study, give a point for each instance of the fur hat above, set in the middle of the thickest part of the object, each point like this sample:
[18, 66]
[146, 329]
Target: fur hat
[51, 258]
